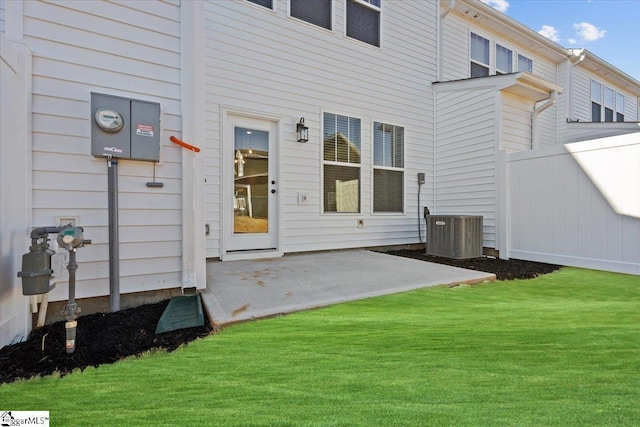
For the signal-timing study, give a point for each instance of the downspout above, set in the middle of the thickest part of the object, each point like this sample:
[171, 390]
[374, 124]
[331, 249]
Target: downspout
[536, 112]
[440, 36]
[572, 65]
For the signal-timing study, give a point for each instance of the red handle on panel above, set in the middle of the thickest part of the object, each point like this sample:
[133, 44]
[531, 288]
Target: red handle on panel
[184, 144]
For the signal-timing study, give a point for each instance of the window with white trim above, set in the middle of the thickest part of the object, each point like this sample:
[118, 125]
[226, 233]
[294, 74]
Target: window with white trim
[316, 12]
[504, 60]
[265, 3]
[596, 101]
[388, 168]
[363, 21]
[609, 96]
[525, 64]
[479, 56]
[619, 107]
[341, 147]
[607, 105]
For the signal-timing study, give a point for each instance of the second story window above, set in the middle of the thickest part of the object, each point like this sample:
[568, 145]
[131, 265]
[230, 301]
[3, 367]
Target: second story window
[596, 101]
[619, 107]
[607, 105]
[609, 96]
[479, 56]
[525, 64]
[363, 21]
[317, 12]
[504, 60]
[265, 3]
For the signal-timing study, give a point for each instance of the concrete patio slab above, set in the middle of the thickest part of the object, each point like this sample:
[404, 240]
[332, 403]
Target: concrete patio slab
[244, 290]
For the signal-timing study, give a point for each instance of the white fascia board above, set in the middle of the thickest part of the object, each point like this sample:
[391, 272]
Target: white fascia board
[606, 71]
[522, 84]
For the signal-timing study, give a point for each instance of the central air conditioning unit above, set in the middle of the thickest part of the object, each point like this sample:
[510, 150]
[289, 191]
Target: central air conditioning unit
[454, 236]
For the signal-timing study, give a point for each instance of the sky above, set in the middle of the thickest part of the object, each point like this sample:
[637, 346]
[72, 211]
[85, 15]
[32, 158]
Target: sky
[608, 28]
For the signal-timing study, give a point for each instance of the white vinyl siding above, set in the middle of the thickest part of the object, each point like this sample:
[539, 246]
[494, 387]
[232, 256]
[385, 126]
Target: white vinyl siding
[516, 124]
[130, 50]
[466, 156]
[328, 72]
[2, 13]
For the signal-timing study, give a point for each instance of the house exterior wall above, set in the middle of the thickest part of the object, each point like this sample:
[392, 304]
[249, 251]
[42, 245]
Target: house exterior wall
[456, 63]
[582, 96]
[125, 49]
[465, 147]
[264, 62]
[577, 204]
[578, 109]
[515, 129]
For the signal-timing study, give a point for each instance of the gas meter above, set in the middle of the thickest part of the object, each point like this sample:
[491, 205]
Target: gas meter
[70, 238]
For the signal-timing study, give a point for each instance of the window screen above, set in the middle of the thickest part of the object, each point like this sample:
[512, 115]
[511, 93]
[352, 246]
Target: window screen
[596, 101]
[525, 64]
[504, 59]
[265, 3]
[479, 56]
[363, 22]
[317, 12]
[619, 107]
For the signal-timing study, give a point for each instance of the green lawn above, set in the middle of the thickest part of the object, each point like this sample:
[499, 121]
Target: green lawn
[562, 350]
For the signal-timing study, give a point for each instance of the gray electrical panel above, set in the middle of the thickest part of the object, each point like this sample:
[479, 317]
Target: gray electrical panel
[124, 128]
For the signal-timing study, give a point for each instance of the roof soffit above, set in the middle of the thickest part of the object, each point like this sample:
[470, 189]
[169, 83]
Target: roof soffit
[497, 22]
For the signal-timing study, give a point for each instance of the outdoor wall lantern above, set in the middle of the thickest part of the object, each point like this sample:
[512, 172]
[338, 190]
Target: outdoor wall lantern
[303, 131]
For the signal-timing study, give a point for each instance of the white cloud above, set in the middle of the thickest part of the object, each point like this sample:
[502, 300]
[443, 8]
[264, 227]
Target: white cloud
[550, 32]
[588, 32]
[501, 5]
[572, 41]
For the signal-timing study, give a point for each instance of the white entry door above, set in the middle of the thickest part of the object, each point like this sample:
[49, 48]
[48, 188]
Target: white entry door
[250, 215]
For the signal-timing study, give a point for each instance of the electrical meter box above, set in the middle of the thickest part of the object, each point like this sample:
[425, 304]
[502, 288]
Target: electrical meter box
[124, 128]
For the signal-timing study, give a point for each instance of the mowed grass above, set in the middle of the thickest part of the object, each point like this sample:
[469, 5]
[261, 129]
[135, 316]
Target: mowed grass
[560, 350]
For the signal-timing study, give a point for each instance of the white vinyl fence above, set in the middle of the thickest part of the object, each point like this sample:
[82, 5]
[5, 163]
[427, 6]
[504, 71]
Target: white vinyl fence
[15, 196]
[576, 204]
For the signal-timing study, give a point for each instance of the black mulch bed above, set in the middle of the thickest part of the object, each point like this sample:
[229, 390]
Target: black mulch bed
[100, 339]
[503, 269]
[107, 338]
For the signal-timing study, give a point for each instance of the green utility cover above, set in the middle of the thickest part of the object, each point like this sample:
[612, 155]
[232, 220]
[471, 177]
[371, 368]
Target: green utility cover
[182, 312]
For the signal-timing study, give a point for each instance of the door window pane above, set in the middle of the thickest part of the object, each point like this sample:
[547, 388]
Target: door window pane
[251, 177]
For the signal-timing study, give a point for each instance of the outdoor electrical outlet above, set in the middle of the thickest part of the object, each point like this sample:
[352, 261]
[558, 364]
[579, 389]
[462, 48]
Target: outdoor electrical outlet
[421, 178]
[361, 223]
[303, 198]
